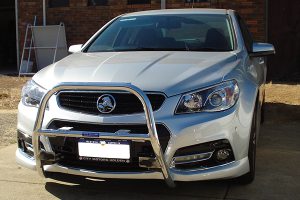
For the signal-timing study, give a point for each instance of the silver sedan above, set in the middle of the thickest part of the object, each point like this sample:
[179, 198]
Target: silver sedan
[164, 94]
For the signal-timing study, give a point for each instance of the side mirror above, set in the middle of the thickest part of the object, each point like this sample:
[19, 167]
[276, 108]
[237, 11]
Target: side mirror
[75, 48]
[262, 49]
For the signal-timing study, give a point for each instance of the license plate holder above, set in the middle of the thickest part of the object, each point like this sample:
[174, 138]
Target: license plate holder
[117, 151]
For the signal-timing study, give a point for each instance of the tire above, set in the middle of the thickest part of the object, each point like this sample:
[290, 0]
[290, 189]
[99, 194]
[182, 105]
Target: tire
[249, 177]
[262, 119]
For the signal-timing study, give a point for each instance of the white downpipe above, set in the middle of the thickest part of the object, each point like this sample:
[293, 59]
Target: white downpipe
[44, 12]
[163, 4]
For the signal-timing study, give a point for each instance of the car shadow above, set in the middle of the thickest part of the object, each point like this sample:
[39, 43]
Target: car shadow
[68, 186]
[280, 130]
[281, 113]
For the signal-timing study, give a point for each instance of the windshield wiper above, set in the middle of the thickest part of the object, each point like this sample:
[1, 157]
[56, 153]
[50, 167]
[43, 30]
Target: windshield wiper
[152, 49]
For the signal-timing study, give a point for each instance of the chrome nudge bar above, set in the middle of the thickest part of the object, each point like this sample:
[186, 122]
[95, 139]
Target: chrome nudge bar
[150, 136]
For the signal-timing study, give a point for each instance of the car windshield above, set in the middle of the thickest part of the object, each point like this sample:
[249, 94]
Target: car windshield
[185, 32]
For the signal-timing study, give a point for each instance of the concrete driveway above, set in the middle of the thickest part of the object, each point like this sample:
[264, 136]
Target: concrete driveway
[278, 176]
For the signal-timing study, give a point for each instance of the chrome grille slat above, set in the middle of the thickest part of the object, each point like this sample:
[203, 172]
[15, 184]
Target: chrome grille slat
[81, 106]
[76, 101]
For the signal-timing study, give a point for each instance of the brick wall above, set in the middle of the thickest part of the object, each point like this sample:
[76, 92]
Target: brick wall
[82, 21]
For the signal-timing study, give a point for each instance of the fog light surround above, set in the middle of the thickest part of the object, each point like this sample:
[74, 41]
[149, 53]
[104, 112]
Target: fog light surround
[203, 156]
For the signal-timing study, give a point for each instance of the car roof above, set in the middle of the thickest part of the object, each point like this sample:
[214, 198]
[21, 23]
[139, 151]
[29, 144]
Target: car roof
[178, 11]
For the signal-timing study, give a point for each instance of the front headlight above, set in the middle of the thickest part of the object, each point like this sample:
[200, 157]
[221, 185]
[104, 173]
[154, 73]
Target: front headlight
[32, 94]
[217, 98]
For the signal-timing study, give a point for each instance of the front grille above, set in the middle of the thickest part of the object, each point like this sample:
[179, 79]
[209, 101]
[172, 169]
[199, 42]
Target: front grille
[68, 146]
[126, 103]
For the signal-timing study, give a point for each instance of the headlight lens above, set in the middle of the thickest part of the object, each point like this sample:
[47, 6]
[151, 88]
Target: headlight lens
[32, 94]
[217, 98]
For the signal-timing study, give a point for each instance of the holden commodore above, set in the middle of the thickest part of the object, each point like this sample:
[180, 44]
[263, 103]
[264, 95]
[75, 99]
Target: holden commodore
[175, 95]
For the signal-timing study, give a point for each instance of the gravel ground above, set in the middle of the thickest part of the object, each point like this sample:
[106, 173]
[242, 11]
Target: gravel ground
[10, 91]
[8, 124]
[283, 93]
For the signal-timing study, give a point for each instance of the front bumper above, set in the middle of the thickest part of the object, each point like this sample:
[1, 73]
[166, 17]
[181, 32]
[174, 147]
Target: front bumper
[229, 170]
[186, 130]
